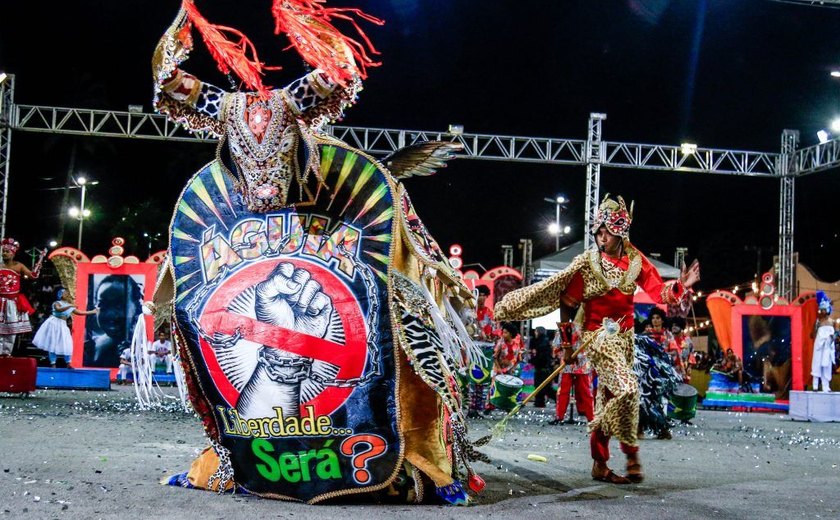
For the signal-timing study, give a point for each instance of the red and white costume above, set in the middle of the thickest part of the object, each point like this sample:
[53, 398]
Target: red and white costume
[14, 307]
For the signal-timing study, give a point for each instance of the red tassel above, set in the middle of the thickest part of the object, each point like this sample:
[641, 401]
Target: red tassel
[230, 55]
[308, 25]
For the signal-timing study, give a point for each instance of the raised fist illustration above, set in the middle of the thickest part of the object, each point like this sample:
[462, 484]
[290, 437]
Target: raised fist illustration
[291, 299]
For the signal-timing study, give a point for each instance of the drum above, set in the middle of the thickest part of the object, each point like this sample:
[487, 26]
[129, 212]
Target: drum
[479, 372]
[683, 403]
[505, 392]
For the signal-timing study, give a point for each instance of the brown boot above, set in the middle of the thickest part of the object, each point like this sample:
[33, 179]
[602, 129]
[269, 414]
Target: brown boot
[602, 473]
[634, 469]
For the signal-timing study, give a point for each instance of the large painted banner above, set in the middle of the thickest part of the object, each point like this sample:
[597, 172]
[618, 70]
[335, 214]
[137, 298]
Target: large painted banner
[284, 326]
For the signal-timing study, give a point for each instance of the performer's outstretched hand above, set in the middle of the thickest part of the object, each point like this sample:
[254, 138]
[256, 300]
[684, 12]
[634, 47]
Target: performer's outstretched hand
[691, 275]
[289, 298]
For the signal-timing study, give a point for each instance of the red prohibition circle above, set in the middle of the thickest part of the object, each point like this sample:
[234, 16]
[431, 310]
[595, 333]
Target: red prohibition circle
[350, 357]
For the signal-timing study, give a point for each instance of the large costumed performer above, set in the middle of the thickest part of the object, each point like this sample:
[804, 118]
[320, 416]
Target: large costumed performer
[315, 316]
[602, 282]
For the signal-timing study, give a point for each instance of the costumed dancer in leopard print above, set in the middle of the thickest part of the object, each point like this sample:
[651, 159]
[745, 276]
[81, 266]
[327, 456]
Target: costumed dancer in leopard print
[601, 282]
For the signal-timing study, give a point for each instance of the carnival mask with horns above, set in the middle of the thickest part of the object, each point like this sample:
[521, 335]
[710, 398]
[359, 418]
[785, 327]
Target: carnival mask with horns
[615, 216]
[10, 244]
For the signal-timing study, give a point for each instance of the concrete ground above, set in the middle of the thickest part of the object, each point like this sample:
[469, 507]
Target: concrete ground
[94, 455]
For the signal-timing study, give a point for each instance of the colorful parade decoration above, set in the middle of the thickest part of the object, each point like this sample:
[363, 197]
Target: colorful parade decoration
[315, 316]
[766, 327]
[116, 285]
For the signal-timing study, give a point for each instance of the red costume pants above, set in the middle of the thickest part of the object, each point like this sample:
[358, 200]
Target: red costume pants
[583, 395]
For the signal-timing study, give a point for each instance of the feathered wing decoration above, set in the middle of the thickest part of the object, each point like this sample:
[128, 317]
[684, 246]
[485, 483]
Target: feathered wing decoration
[164, 293]
[421, 159]
[308, 25]
[239, 56]
[66, 260]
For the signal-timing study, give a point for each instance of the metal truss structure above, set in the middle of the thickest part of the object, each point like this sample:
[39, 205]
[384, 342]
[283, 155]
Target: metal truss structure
[786, 272]
[594, 158]
[7, 103]
[591, 153]
[834, 4]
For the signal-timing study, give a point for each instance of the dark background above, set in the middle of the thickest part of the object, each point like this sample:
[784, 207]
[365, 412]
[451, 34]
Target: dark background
[719, 73]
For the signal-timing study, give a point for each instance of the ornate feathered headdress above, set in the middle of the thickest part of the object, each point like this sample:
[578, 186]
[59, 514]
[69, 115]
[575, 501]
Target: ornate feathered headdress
[824, 302]
[615, 216]
[10, 244]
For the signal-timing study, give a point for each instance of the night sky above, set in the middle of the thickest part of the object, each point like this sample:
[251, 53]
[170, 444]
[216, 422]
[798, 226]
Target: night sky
[722, 74]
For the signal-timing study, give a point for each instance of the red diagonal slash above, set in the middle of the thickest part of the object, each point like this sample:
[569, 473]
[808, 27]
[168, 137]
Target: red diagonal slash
[277, 337]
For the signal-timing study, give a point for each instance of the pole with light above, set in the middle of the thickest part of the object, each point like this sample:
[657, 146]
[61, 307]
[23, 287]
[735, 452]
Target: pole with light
[151, 238]
[554, 228]
[81, 213]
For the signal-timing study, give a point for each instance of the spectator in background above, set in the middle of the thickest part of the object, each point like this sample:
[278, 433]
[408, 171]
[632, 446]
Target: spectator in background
[161, 352]
[541, 358]
[508, 350]
[680, 347]
[577, 372]
[487, 329]
[732, 366]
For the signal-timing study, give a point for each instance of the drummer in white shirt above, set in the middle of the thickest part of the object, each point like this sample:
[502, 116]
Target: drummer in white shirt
[161, 352]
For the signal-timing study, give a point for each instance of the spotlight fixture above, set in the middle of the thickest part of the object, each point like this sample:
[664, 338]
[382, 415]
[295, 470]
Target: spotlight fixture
[456, 129]
[688, 148]
[823, 136]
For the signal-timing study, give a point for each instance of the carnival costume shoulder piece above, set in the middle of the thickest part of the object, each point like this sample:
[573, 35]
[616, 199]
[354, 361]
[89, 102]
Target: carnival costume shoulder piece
[315, 316]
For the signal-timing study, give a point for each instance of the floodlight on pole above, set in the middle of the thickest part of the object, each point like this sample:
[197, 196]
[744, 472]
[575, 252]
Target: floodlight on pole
[81, 213]
[53, 243]
[554, 228]
[3, 77]
[835, 73]
[835, 125]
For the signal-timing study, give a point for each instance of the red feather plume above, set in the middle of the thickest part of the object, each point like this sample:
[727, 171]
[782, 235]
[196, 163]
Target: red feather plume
[308, 25]
[230, 48]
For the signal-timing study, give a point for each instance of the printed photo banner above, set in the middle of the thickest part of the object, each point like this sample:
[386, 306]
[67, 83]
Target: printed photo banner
[116, 285]
[286, 329]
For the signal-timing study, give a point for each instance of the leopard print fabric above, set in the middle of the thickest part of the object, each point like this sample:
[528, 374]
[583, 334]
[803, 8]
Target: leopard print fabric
[540, 298]
[617, 400]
